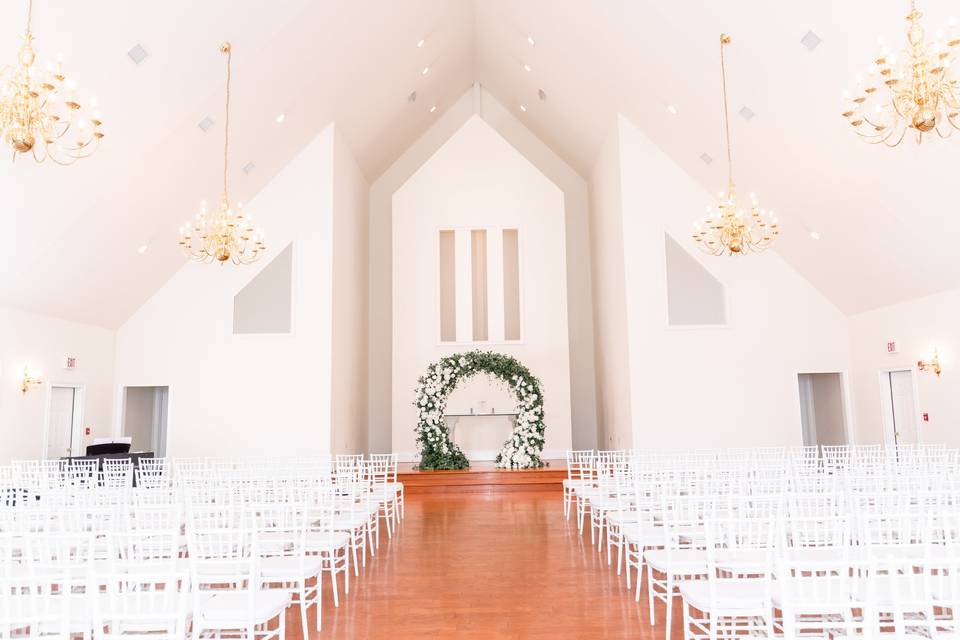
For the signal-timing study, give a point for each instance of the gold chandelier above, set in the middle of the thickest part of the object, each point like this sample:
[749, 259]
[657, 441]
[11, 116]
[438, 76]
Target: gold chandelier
[728, 228]
[40, 113]
[224, 234]
[914, 91]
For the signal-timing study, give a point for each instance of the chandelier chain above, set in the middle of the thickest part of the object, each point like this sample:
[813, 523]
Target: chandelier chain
[29, 15]
[226, 120]
[724, 39]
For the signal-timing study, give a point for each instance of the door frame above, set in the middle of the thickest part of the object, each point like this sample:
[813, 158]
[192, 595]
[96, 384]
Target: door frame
[76, 430]
[849, 426]
[886, 410]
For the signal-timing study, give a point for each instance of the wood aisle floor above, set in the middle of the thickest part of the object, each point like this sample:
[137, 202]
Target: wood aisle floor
[478, 566]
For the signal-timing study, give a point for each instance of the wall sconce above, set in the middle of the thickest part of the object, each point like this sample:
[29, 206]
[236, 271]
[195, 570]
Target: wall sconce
[30, 380]
[931, 365]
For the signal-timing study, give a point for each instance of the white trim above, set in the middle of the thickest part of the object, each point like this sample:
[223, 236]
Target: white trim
[76, 430]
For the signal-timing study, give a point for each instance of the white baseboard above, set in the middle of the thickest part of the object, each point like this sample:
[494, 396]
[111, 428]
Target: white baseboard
[483, 455]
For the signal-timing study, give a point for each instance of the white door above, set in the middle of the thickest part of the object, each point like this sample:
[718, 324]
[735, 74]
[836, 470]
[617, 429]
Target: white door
[60, 436]
[902, 408]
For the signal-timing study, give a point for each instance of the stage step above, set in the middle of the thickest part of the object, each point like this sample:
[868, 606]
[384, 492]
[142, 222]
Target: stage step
[483, 477]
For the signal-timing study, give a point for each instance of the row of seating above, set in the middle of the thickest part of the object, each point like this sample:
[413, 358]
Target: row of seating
[778, 542]
[199, 547]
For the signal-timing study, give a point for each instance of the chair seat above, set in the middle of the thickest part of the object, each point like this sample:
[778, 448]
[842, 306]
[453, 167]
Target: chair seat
[230, 610]
[642, 534]
[684, 562]
[618, 518]
[327, 542]
[289, 568]
[729, 595]
[821, 594]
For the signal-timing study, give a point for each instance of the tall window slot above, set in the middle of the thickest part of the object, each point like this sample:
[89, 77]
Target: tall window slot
[478, 262]
[511, 284]
[448, 287]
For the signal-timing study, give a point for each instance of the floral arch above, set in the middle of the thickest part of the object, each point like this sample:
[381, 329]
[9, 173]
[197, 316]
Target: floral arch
[524, 447]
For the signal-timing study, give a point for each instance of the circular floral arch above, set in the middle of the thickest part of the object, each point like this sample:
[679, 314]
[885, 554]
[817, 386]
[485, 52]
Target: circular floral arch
[525, 445]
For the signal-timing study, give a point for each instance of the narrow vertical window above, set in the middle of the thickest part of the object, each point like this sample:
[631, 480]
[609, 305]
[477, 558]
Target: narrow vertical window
[511, 284]
[478, 252]
[448, 288]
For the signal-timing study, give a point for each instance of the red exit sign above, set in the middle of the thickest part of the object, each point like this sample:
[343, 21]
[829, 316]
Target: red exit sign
[892, 346]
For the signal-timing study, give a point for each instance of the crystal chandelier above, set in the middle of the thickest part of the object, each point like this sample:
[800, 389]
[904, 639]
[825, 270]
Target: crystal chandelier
[224, 234]
[40, 113]
[913, 91]
[728, 228]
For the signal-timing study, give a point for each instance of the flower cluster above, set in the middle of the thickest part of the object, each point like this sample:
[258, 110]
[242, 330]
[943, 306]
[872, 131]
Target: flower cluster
[525, 445]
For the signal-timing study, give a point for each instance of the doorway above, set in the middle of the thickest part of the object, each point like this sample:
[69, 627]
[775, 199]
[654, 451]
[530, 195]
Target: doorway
[823, 415]
[64, 421]
[145, 418]
[898, 407]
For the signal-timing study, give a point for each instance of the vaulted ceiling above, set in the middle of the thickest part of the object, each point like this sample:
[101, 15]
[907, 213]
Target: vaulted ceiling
[885, 217]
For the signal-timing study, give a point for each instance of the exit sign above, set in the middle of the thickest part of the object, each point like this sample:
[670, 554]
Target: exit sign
[70, 362]
[892, 346]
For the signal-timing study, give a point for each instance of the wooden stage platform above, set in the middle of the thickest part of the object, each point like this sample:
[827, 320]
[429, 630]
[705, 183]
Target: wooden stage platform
[483, 477]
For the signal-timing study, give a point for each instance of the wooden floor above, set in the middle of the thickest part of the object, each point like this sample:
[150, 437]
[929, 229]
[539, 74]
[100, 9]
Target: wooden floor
[485, 566]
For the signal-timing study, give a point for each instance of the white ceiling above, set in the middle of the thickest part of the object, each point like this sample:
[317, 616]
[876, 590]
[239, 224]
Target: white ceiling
[885, 216]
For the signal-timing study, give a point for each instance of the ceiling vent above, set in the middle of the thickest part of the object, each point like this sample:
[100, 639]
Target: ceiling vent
[205, 124]
[811, 41]
[249, 167]
[746, 113]
[138, 54]
[706, 158]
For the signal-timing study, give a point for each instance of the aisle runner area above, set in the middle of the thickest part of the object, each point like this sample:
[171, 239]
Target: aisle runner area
[478, 566]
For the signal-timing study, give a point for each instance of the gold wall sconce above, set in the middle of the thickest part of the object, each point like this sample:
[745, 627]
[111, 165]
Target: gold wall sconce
[30, 380]
[933, 364]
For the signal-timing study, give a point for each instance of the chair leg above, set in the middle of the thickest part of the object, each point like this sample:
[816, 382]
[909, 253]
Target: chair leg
[669, 603]
[649, 593]
[319, 596]
[303, 609]
[346, 572]
[333, 577]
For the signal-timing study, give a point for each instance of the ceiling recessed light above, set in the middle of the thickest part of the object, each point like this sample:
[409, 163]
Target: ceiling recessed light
[205, 124]
[541, 94]
[421, 43]
[138, 54]
[672, 109]
[249, 167]
[425, 71]
[531, 40]
[523, 108]
[746, 113]
[281, 118]
[814, 235]
[811, 40]
[143, 248]
[706, 158]
[412, 97]
[433, 108]
[526, 68]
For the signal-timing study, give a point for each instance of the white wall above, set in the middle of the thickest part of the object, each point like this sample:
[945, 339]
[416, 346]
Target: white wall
[579, 284]
[710, 387]
[138, 412]
[917, 326]
[615, 424]
[247, 394]
[477, 179]
[42, 343]
[350, 284]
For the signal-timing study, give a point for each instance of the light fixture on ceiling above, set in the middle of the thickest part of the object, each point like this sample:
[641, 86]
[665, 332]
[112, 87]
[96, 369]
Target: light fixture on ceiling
[248, 168]
[914, 91]
[810, 40]
[40, 113]
[531, 40]
[705, 157]
[433, 108]
[523, 108]
[425, 71]
[672, 109]
[814, 235]
[225, 234]
[142, 249]
[205, 124]
[728, 228]
[746, 113]
[138, 54]
[421, 42]
[280, 118]
[527, 68]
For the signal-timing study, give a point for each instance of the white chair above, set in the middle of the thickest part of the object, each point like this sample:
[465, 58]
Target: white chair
[326, 540]
[142, 606]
